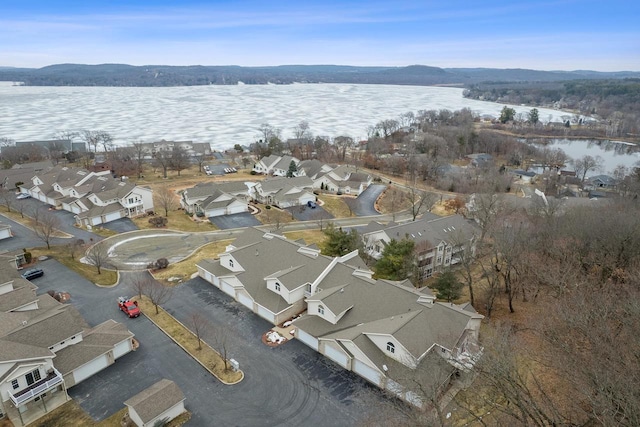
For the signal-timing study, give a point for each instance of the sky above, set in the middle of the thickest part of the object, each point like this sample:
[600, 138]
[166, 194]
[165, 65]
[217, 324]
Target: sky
[543, 35]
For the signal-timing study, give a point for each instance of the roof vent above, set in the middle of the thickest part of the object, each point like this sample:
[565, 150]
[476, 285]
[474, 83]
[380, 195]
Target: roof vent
[342, 290]
[24, 323]
[257, 253]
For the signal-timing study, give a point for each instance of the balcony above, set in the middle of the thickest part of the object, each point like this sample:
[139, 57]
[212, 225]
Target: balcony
[37, 388]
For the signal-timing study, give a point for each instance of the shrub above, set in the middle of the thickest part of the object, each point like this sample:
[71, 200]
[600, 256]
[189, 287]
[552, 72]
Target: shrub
[268, 207]
[253, 173]
[161, 263]
[339, 193]
[158, 221]
[27, 257]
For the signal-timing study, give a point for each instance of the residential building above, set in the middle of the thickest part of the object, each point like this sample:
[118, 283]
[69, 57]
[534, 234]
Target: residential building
[439, 241]
[602, 181]
[215, 199]
[46, 347]
[95, 197]
[387, 332]
[345, 179]
[276, 165]
[163, 401]
[283, 192]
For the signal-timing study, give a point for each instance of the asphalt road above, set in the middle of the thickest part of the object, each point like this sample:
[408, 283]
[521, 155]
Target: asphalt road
[367, 199]
[291, 385]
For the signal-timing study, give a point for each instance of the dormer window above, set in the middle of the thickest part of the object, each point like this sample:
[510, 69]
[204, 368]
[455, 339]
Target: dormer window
[321, 310]
[391, 348]
[14, 384]
[277, 286]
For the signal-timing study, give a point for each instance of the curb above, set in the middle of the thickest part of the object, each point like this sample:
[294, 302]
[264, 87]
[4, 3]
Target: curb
[190, 355]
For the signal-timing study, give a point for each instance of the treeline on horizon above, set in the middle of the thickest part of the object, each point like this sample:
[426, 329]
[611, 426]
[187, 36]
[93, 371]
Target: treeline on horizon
[163, 75]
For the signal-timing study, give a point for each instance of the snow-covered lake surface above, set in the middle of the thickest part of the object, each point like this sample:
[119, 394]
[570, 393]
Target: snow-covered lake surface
[221, 115]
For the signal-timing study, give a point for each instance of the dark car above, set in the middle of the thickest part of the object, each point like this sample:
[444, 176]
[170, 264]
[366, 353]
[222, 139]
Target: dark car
[33, 273]
[311, 204]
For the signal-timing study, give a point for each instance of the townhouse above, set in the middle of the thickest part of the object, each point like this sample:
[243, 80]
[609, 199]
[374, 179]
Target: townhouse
[440, 242]
[95, 197]
[387, 332]
[47, 347]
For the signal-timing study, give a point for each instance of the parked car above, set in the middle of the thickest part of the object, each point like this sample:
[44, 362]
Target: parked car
[23, 196]
[311, 204]
[130, 308]
[33, 273]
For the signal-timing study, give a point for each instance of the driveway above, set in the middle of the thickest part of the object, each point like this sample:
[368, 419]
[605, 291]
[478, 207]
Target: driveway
[365, 205]
[225, 222]
[121, 225]
[291, 385]
[288, 385]
[24, 237]
[305, 213]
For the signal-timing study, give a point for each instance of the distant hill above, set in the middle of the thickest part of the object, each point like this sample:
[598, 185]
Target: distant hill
[165, 75]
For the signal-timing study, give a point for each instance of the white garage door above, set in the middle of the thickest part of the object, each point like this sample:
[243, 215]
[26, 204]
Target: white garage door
[266, 314]
[112, 216]
[214, 212]
[121, 349]
[336, 355]
[75, 209]
[366, 371]
[245, 300]
[227, 289]
[236, 208]
[309, 340]
[93, 367]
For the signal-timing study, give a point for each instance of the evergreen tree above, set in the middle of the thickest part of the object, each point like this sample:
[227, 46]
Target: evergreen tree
[447, 286]
[340, 242]
[507, 114]
[397, 260]
[292, 169]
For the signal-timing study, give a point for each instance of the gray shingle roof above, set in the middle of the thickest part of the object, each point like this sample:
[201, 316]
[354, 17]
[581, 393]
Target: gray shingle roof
[53, 326]
[156, 399]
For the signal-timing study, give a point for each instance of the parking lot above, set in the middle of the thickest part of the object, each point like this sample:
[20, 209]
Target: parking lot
[306, 213]
[290, 385]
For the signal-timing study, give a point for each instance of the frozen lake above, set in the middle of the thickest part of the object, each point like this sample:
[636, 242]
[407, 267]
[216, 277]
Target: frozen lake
[221, 115]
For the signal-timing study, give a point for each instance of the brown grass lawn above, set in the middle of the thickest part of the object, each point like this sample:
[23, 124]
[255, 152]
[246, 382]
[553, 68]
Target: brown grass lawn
[273, 215]
[178, 220]
[309, 236]
[207, 356]
[105, 278]
[393, 200]
[335, 205]
[72, 415]
[184, 269]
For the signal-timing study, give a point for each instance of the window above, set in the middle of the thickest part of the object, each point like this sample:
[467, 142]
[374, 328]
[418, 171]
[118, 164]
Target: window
[14, 384]
[391, 348]
[277, 286]
[321, 309]
[36, 375]
[231, 263]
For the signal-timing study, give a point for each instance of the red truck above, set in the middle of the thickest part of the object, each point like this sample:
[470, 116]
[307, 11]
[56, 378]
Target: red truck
[130, 308]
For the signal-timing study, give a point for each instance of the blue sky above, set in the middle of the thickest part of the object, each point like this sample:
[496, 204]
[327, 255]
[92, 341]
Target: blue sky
[547, 35]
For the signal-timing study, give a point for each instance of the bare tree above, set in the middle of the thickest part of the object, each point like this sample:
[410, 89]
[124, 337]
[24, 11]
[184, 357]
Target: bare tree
[199, 326]
[163, 160]
[7, 197]
[421, 201]
[106, 139]
[342, 143]
[139, 153]
[301, 130]
[140, 283]
[98, 255]
[20, 207]
[46, 227]
[586, 164]
[158, 293]
[165, 199]
[73, 247]
[221, 343]
[179, 159]
[199, 158]
[91, 138]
